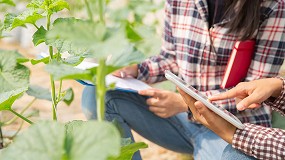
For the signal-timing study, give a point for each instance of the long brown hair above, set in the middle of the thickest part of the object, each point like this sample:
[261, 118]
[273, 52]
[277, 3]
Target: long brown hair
[245, 17]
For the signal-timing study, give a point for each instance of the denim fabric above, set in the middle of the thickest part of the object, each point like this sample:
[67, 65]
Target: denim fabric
[233, 154]
[176, 133]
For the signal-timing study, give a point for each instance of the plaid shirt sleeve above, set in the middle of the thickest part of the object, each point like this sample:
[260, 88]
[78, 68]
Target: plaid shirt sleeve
[262, 142]
[152, 69]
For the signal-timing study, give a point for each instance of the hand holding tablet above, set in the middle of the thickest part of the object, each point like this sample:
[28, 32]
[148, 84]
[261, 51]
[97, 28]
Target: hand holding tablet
[200, 97]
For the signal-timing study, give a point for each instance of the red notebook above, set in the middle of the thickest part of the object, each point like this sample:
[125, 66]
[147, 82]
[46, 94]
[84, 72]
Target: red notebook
[238, 63]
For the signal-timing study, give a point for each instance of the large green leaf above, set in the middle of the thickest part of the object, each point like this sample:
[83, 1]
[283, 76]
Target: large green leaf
[9, 2]
[44, 141]
[94, 139]
[64, 71]
[12, 74]
[102, 42]
[39, 92]
[77, 141]
[9, 97]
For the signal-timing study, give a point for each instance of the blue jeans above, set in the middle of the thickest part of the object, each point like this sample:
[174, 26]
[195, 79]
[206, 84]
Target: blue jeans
[176, 133]
[233, 154]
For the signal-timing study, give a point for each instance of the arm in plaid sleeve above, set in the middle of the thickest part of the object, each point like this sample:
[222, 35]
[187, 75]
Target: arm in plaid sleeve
[262, 142]
[152, 69]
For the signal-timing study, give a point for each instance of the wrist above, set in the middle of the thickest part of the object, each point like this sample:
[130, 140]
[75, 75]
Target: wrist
[277, 84]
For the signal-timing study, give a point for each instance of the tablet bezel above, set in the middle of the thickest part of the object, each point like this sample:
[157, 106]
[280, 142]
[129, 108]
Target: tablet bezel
[200, 97]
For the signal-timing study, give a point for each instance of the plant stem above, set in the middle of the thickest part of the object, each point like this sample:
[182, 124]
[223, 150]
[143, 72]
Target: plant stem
[15, 118]
[59, 92]
[101, 11]
[89, 10]
[53, 97]
[36, 26]
[101, 89]
[19, 115]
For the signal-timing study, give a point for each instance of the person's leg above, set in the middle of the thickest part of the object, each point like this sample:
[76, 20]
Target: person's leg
[233, 154]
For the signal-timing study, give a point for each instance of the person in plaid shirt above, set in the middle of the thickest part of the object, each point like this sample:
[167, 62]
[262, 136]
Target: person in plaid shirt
[197, 44]
[254, 140]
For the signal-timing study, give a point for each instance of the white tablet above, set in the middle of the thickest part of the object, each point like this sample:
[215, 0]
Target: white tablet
[204, 99]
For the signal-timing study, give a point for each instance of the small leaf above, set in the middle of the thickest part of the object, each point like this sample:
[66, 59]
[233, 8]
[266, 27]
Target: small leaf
[8, 21]
[63, 71]
[39, 92]
[9, 97]
[29, 16]
[39, 36]
[128, 151]
[68, 96]
[73, 60]
[132, 35]
[44, 60]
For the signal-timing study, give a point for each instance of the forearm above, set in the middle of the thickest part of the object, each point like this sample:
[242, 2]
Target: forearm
[260, 142]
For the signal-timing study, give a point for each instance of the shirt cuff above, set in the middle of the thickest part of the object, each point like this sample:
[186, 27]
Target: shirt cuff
[244, 138]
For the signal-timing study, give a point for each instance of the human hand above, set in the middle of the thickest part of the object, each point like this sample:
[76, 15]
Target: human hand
[252, 94]
[127, 72]
[164, 103]
[208, 118]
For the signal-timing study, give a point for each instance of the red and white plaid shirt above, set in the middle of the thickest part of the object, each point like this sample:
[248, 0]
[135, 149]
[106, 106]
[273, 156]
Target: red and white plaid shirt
[262, 142]
[186, 51]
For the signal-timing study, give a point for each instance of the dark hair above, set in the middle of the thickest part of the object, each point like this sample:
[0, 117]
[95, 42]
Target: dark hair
[244, 15]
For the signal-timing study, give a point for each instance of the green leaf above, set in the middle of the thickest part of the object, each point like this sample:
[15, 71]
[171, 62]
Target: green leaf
[9, 2]
[98, 39]
[39, 36]
[50, 6]
[129, 56]
[76, 141]
[8, 21]
[44, 60]
[29, 16]
[132, 35]
[128, 151]
[63, 45]
[68, 96]
[103, 141]
[73, 60]
[44, 141]
[63, 71]
[39, 92]
[12, 74]
[9, 97]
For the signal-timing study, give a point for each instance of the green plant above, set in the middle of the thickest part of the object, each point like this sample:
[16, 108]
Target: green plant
[81, 38]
